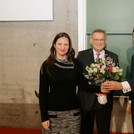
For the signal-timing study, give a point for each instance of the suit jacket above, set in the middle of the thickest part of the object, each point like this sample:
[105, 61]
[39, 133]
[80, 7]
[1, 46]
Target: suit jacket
[131, 81]
[87, 99]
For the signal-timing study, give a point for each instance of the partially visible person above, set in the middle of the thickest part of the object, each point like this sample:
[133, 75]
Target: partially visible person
[60, 73]
[90, 107]
[126, 86]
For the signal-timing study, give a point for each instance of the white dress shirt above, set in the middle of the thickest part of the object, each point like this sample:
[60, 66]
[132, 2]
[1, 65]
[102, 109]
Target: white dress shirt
[126, 87]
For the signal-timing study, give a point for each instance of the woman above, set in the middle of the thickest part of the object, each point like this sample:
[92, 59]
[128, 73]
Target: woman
[59, 76]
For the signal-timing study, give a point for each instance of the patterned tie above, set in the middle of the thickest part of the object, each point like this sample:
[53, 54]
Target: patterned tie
[98, 54]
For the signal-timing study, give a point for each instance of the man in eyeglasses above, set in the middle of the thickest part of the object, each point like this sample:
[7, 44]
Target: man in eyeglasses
[91, 109]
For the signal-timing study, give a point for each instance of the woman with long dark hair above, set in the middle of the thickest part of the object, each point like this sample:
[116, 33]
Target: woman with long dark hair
[60, 73]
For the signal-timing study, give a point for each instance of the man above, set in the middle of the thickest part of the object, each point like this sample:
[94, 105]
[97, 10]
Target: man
[90, 107]
[126, 86]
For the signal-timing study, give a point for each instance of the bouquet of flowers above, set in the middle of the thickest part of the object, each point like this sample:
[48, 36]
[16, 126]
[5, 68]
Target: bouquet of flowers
[103, 70]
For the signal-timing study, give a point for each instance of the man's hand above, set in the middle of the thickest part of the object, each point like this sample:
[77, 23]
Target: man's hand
[129, 108]
[104, 90]
[111, 85]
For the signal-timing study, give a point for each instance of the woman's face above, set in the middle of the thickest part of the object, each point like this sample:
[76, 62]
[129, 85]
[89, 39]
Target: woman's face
[62, 47]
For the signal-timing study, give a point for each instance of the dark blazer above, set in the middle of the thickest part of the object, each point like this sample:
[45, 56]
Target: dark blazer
[88, 99]
[131, 81]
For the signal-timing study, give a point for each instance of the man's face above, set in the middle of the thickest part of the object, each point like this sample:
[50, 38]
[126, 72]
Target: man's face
[98, 41]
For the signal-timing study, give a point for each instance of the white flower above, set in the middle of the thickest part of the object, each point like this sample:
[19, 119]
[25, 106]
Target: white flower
[120, 74]
[103, 72]
[95, 70]
[87, 68]
[90, 70]
[92, 65]
[114, 69]
[120, 70]
[104, 66]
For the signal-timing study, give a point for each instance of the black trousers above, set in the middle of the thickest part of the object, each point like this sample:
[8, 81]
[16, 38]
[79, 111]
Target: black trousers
[103, 118]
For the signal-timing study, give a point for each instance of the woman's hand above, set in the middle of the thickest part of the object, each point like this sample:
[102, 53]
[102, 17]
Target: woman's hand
[46, 124]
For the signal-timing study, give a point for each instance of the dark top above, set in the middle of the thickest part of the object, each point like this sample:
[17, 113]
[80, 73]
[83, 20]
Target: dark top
[57, 92]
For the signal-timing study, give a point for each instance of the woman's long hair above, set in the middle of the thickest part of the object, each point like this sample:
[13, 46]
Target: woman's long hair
[51, 58]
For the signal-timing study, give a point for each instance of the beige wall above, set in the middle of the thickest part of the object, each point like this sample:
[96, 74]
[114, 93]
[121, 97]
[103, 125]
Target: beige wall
[25, 45]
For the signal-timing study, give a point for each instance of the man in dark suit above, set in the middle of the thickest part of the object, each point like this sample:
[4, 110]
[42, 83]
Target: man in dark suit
[131, 83]
[126, 86]
[91, 109]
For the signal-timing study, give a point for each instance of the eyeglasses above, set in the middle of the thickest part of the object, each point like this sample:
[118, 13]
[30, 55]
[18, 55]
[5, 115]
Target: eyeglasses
[101, 40]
